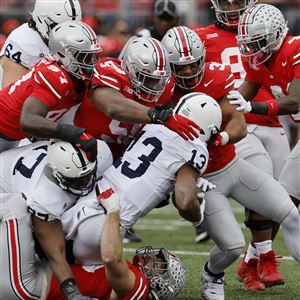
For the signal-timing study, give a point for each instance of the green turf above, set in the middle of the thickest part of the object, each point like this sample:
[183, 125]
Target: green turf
[163, 227]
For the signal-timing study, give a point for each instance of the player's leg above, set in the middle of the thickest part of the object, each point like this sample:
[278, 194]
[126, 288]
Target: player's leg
[225, 231]
[289, 177]
[21, 278]
[262, 193]
[252, 148]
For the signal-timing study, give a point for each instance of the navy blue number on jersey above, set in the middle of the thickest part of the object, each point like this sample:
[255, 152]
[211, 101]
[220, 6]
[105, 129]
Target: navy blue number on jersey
[28, 171]
[13, 56]
[201, 160]
[145, 159]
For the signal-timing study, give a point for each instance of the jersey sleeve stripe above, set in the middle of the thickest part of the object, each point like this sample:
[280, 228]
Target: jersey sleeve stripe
[138, 291]
[296, 56]
[110, 85]
[229, 77]
[296, 62]
[14, 262]
[50, 86]
[109, 78]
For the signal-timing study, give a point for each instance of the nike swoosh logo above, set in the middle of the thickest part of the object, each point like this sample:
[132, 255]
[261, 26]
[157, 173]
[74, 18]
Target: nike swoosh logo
[206, 84]
[284, 64]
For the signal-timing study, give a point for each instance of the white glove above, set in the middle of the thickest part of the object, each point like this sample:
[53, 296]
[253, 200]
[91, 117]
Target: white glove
[204, 185]
[109, 200]
[242, 104]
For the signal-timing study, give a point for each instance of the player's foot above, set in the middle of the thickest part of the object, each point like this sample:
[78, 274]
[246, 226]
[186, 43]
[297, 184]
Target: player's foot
[241, 270]
[201, 234]
[252, 281]
[267, 269]
[212, 286]
[131, 237]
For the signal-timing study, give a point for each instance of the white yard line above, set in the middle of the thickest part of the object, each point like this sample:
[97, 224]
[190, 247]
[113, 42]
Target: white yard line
[195, 253]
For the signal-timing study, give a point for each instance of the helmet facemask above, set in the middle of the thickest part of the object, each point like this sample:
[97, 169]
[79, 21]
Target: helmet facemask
[82, 62]
[189, 82]
[164, 271]
[228, 12]
[79, 186]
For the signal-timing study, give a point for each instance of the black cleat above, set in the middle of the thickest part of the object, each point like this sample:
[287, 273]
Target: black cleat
[131, 237]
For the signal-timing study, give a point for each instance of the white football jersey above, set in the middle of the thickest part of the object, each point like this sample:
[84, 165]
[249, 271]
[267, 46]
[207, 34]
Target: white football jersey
[143, 177]
[24, 46]
[22, 171]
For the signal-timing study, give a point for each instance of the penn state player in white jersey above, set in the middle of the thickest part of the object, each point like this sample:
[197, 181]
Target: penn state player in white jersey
[157, 162]
[51, 177]
[29, 42]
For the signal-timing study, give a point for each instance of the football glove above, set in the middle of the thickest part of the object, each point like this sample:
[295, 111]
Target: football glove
[237, 99]
[71, 291]
[178, 123]
[108, 199]
[77, 136]
[204, 185]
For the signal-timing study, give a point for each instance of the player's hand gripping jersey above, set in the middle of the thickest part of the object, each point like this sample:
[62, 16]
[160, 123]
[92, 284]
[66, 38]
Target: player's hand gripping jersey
[217, 81]
[282, 67]
[47, 82]
[221, 46]
[109, 74]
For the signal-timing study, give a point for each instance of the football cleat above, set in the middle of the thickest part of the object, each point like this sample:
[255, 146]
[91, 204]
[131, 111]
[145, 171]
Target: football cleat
[212, 287]
[242, 269]
[267, 269]
[201, 234]
[131, 237]
[252, 281]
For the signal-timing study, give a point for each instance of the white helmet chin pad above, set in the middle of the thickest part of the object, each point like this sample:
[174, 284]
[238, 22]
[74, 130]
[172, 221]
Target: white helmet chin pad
[203, 110]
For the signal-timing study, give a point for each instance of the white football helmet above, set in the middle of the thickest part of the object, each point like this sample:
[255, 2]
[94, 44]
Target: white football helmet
[261, 32]
[48, 13]
[71, 168]
[165, 272]
[225, 13]
[204, 111]
[147, 65]
[75, 46]
[185, 47]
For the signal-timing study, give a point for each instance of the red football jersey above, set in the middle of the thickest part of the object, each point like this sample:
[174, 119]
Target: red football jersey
[47, 82]
[280, 69]
[221, 46]
[92, 282]
[216, 82]
[109, 73]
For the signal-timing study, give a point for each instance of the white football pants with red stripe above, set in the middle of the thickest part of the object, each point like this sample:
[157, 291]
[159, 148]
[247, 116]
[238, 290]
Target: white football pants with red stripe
[20, 278]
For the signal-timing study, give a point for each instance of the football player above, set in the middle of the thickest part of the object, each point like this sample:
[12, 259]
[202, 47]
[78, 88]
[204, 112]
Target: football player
[51, 177]
[157, 162]
[265, 146]
[155, 272]
[29, 42]
[275, 66]
[192, 73]
[30, 106]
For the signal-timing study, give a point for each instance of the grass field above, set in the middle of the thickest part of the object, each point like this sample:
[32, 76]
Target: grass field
[162, 227]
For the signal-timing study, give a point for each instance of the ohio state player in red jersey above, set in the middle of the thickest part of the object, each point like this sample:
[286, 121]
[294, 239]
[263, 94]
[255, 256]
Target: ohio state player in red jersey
[265, 146]
[128, 92]
[50, 88]
[276, 66]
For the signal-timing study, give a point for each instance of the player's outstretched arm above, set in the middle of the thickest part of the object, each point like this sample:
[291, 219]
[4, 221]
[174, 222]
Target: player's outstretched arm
[118, 274]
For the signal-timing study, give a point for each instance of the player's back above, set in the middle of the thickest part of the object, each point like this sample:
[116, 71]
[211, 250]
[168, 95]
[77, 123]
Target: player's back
[146, 173]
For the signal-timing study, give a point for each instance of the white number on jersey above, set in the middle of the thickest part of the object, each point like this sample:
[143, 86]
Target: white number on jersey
[232, 57]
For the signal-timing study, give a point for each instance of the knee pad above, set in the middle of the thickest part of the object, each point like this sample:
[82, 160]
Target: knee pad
[259, 225]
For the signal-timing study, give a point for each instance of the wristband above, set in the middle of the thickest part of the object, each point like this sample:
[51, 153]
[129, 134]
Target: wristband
[225, 137]
[69, 287]
[272, 107]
